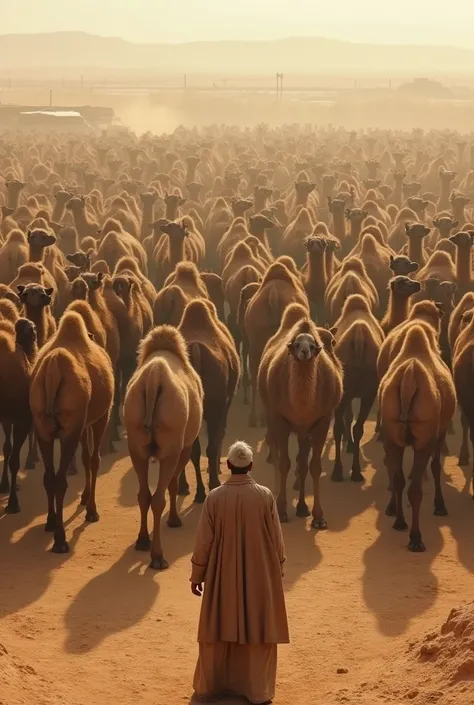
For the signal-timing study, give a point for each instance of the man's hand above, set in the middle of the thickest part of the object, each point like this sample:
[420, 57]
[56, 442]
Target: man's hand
[196, 589]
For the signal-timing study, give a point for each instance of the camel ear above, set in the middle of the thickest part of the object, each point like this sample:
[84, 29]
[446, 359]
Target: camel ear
[28, 234]
[439, 305]
[20, 288]
[333, 331]
[100, 277]
[91, 335]
[49, 291]
[407, 228]
[414, 266]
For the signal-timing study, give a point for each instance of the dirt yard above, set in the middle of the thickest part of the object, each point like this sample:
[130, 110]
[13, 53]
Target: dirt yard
[97, 627]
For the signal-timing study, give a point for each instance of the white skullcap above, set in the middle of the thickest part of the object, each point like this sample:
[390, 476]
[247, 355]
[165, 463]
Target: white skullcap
[240, 454]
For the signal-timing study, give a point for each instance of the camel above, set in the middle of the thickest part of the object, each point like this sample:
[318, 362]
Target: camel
[300, 389]
[71, 395]
[163, 412]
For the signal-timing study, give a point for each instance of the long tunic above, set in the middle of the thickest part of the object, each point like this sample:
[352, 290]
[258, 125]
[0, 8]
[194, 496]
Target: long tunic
[239, 555]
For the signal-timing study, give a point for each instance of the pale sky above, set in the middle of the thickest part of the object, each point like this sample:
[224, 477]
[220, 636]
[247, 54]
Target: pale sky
[374, 21]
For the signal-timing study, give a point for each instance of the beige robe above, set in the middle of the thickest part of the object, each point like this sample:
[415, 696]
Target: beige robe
[239, 556]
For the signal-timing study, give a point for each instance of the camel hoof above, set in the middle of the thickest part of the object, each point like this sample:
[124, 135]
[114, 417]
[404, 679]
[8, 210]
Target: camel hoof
[12, 507]
[296, 484]
[320, 524]
[302, 510]
[4, 487]
[283, 516]
[143, 543]
[60, 547]
[390, 510]
[463, 459]
[72, 470]
[159, 563]
[337, 474]
[416, 546]
[30, 464]
[200, 496]
[400, 525]
[356, 476]
[184, 491]
[92, 516]
[440, 511]
[174, 523]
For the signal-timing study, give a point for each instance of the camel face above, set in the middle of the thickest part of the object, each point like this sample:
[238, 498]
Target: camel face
[93, 281]
[40, 238]
[81, 260]
[417, 230]
[316, 244]
[122, 286]
[25, 333]
[35, 295]
[402, 265]
[463, 238]
[404, 286]
[304, 347]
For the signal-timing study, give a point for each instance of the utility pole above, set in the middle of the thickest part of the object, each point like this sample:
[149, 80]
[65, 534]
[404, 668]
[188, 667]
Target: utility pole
[50, 98]
[279, 86]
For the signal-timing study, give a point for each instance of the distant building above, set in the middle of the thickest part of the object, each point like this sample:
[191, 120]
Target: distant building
[426, 88]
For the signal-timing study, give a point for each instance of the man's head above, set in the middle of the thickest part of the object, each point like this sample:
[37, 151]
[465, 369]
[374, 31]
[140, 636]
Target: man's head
[240, 458]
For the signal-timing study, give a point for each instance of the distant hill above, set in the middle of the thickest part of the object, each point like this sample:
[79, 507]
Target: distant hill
[67, 50]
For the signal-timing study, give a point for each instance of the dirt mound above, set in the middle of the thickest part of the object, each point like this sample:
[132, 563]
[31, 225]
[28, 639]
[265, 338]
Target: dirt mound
[438, 668]
[20, 684]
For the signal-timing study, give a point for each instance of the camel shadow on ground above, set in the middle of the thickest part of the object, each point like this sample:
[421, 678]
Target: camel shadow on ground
[114, 610]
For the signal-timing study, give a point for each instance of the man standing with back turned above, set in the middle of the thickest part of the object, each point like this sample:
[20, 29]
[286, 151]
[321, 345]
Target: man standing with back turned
[239, 556]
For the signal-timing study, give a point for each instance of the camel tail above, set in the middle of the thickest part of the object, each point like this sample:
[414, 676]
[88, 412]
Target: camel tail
[195, 357]
[359, 347]
[58, 364]
[408, 390]
[153, 391]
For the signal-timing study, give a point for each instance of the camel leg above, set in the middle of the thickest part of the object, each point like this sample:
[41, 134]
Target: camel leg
[69, 447]
[216, 426]
[98, 430]
[140, 466]
[7, 449]
[366, 404]
[304, 447]
[20, 432]
[183, 484]
[254, 412]
[168, 467]
[439, 505]
[47, 451]
[196, 461]
[394, 459]
[319, 436]
[115, 417]
[464, 451]
[415, 495]
[86, 461]
[32, 458]
[245, 369]
[280, 435]
[348, 419]
[174, 520]
[338, 470]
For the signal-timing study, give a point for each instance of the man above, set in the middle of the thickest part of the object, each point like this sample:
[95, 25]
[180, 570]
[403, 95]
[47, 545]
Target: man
[239, 556]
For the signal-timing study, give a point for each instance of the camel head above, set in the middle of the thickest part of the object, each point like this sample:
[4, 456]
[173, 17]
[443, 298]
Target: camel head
[316, 245]
[10, 295]
[459, 200]
[240, 205]
[356, 214]
[261, 222]
[402, 265]
[173, 200]
[40, 238]
[93, 280]
[304, 187]
[332, 244]
[62, 197]
[72, 272]
[404, 287]
[417, 230]
[123, 285]
[174, 229]
[25, 334]
[35, 295]
[399, 175]
[80, 259]
[148, 197]
[194, 189]
[431, 286]
[15, 185]
[445, 223]
[336, 205]
[465, 238]
[411, 188]
[76, 204]
[445, 175]
[304, 347]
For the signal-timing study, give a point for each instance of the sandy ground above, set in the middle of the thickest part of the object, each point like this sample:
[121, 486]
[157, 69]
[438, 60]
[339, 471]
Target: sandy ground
[97, 627]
